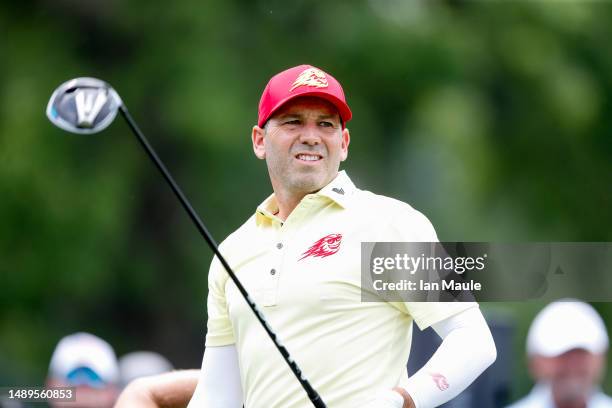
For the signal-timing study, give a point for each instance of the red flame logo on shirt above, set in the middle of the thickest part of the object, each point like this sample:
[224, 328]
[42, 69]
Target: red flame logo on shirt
[326, 246]
[440, 381]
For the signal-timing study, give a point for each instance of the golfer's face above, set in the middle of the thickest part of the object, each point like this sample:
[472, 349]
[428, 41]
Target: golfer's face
[304, 144]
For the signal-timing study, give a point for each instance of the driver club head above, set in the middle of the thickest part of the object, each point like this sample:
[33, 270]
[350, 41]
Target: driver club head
[83, 105]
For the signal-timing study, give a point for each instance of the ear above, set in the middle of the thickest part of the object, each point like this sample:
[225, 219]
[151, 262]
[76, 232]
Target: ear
[258, 142]
[346, 139]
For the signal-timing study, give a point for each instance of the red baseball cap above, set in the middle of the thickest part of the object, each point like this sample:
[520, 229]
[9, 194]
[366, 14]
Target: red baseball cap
[303, 80]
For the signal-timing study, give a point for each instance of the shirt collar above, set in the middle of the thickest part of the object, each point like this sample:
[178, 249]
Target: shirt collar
[542, 393]
[339, 190]
[267, 210]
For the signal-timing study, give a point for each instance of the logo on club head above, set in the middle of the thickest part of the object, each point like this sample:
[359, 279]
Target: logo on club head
[83, 105]
[89, 103]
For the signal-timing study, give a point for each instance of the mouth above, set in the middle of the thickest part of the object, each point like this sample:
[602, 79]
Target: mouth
[308, 157]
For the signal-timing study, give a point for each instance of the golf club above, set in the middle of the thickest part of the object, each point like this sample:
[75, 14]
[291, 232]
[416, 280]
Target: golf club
[89, 105]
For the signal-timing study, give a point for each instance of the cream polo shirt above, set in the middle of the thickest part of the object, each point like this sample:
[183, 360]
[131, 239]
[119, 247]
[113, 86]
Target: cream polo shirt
[305, 276]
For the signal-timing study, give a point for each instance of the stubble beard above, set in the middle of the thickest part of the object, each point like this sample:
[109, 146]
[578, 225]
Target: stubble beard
[299, 181]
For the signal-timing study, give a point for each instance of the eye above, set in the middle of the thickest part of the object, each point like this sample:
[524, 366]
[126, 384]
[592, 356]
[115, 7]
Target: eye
[326, 124]
[292, 122]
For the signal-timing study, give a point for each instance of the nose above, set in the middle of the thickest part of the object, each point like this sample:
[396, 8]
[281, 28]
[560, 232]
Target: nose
[310, 135]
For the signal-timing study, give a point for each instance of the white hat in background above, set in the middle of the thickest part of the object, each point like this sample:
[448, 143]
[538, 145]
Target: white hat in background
[141, 364]
[85, 356]
[565, 325]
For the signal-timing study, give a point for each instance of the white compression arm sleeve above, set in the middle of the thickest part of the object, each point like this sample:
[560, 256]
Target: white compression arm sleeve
[219, 384]
[467, 349]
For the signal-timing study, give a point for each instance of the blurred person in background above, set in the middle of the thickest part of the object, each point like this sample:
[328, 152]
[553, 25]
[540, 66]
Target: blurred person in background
[142, 364]
[89, 364]
[6, 402]
[566, 346]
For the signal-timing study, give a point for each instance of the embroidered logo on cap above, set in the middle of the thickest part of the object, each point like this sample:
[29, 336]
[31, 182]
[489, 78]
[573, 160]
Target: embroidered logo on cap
[326, 246]
[310, 77]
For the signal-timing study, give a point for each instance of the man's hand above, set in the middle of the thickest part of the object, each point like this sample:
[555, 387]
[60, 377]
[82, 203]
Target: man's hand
[408, 402]
[170, 390]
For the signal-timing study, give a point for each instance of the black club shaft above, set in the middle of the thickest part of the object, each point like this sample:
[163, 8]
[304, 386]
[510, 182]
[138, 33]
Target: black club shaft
[314, 397]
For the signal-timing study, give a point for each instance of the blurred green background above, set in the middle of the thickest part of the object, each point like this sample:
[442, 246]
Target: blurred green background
[491, 117]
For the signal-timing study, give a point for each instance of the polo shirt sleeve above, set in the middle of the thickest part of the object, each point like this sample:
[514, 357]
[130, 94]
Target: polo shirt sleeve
[409, 225]
[426, 314]
[220, 332]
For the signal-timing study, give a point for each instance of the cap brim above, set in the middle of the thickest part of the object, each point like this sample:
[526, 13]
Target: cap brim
[555, 350]
[343, 109]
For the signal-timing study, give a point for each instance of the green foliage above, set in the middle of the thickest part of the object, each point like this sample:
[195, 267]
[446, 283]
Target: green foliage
[491, 117]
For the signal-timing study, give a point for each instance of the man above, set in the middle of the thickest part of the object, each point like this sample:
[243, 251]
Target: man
[89, 364]
[566, 345]
[299, 258]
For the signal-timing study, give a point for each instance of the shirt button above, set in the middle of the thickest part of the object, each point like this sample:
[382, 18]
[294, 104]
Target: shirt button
[279, 245]
[272, 271]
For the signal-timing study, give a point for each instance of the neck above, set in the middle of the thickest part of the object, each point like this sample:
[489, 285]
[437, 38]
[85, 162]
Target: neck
[287, 203]
[287, 199]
